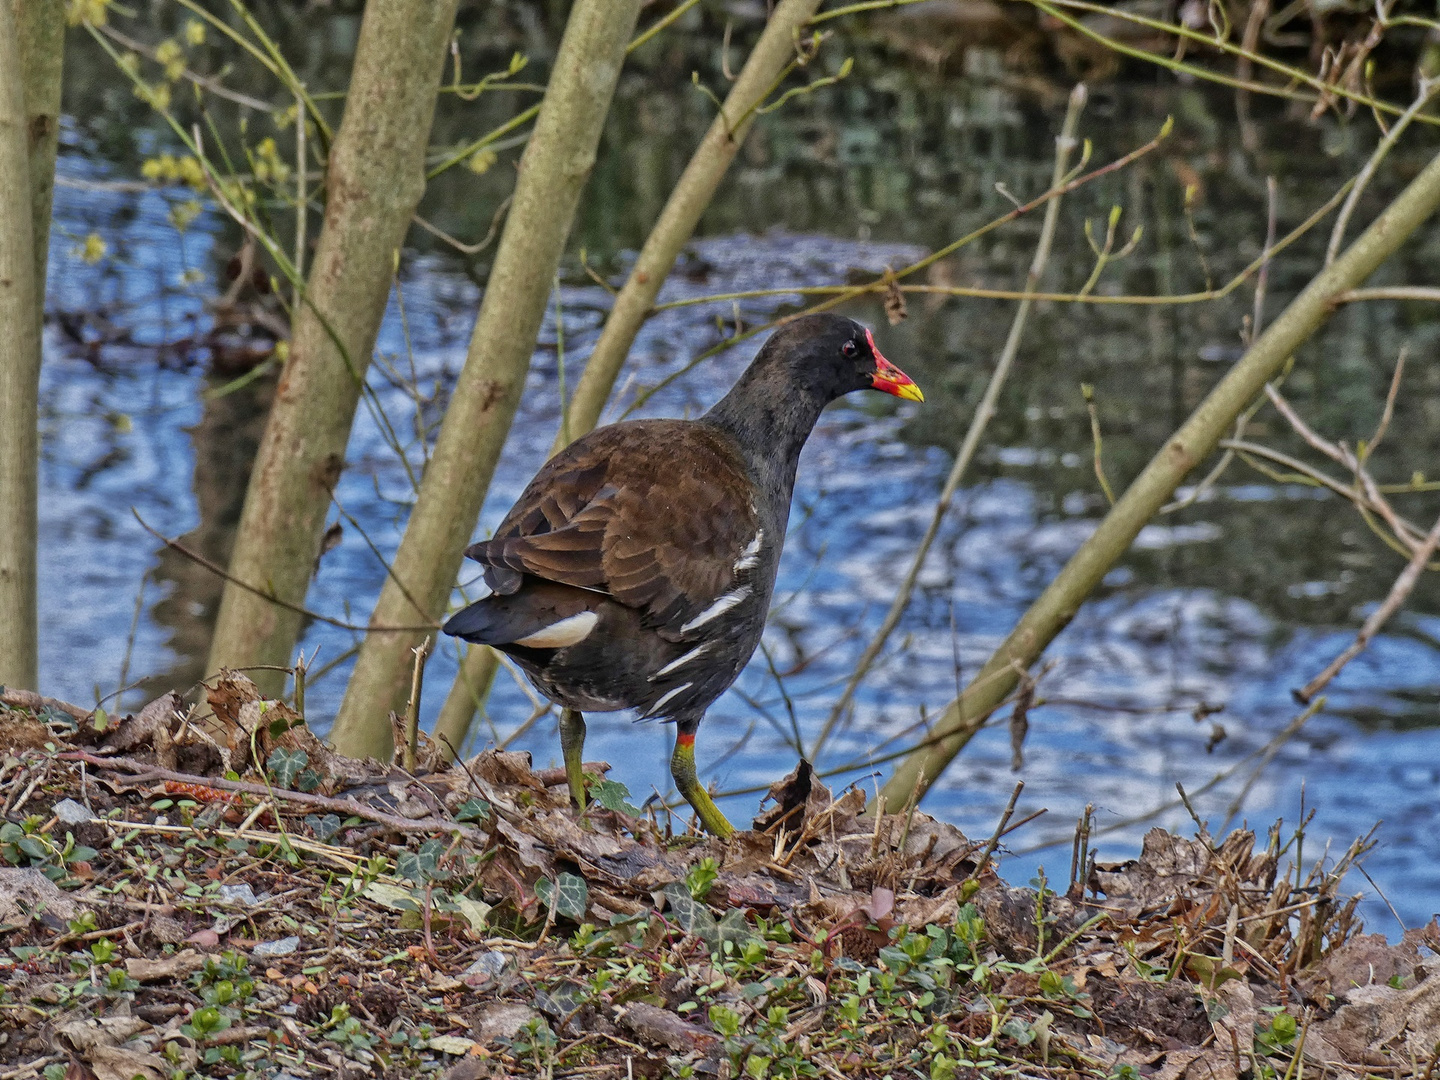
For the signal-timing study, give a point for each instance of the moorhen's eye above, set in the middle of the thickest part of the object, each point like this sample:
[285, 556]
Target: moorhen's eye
[849, 350]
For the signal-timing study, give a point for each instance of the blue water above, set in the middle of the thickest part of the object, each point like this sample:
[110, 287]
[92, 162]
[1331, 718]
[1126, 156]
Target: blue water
[117, 432]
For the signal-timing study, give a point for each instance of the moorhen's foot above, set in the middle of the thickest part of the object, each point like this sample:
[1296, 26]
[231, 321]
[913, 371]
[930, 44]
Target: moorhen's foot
[572, 749]
[682, 768]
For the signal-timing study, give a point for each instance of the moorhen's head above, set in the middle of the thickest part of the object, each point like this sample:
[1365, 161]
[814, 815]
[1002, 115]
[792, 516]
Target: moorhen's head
[825, 356]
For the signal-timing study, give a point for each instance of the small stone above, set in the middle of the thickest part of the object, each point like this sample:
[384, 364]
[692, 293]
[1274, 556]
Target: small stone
[502, 1020]
[237, 894]
[71, 812]
[284, 947]
[490, 964]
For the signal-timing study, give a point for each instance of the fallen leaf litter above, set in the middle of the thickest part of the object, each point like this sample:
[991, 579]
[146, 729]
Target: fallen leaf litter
[219, 894]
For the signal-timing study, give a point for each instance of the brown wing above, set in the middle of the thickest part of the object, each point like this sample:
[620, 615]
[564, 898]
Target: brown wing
[654, 513]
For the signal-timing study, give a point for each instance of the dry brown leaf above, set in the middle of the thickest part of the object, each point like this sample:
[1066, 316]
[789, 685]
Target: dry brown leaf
[119, 1063]
[895, 309]
[1237, 1026]
[1361, 961]
[1213, 1064]
[1378, 1018]
[140, 729]
[661, 1027]
[27, 893]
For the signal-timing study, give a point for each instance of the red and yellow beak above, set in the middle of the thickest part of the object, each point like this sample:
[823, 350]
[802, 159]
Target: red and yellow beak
[889, 378]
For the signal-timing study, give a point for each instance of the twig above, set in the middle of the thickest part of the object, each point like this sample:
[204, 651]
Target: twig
[1267, 755]
[1388, 292]
[837, 295]
[1257, 322]
[412, 710]
[221, 572]
[1404, 585]
[994, 840]
[1292, 75]
[1088, 393]
[205, 83]
[1267, 752]
[659, 24]
[1074, 936]
[28, 699]
[301, 197]
[142, 772]
[1389, 411]
[1080, 849]
[1428, 88]
[1407, 534]
[344, 857]
[1257, 319]
[1064, 146]
[461, 246]
[1381, 893]
[1190, 809]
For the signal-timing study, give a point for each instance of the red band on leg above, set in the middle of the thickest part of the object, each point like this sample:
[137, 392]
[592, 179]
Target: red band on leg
[685, 740]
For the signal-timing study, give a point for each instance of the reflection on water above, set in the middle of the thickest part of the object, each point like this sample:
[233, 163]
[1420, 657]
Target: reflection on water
[1179, 669]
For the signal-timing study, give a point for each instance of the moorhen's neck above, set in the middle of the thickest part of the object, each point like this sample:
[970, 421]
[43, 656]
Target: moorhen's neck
[769, 418]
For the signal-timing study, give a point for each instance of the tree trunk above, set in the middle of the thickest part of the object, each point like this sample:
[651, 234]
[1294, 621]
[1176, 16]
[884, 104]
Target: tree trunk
[42, 56]
[19, 372]
[1154, 487]
[671, 232]
[553, 170]
[374, 179]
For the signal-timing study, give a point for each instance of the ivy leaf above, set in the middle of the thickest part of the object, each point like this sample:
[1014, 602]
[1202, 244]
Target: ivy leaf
[693, 916]
[473, 810]
[307, 781]
[562, 1000]
[323, 827]
[281, 724]
[613, 795]
[421, 866]
[570, 898]
[735, 929]
[286, 765]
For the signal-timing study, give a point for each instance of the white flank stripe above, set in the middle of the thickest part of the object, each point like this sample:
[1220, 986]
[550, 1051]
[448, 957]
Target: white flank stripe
[718, 608]
[691, 655]
[750, 557]
[654, 709]
[559, 635]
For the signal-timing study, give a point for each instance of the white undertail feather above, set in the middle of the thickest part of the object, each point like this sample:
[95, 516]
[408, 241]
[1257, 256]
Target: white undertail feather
[750, 557]
[560, 634]
[681, 662]
[718, 608]
[655, 709]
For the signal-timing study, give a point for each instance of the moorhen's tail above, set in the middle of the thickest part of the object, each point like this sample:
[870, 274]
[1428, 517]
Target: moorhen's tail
[542, 615]
[483, 623]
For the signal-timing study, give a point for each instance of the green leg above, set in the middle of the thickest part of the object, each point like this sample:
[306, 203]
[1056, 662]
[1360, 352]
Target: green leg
[572, 746]
[682, 768]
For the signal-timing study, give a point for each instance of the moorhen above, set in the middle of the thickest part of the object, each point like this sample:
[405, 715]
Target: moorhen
[635, 570]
